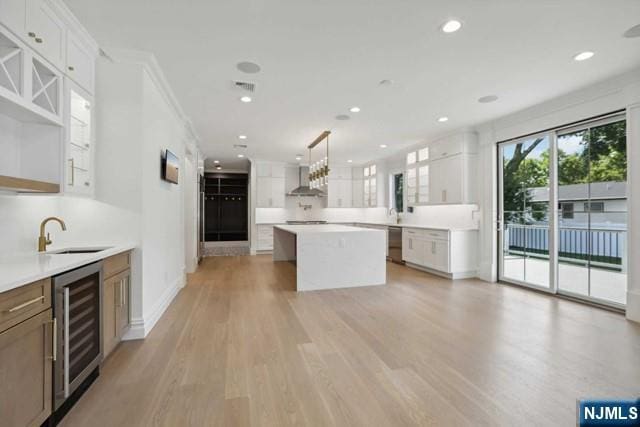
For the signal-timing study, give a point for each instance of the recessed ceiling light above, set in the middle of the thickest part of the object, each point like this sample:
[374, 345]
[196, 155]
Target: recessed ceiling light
[242, 136]
[298, 156]
[354, 109]
[632, 32]
[246, 99]
[487, 99]
[248, 67]
[216, 161]
[383, 145]
[443, 119]
[349, 161]
[451, 26]
[342, 117]
[241, 155]
[582, 56]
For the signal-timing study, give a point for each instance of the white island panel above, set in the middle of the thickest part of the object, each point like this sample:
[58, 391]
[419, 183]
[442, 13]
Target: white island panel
[332, 256]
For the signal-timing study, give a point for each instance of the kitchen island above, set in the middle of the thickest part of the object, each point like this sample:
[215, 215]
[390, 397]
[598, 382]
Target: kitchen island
[330, 256]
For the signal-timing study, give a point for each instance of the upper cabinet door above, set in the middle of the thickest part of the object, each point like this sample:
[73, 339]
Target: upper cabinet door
[45, 31]
[80, 63]
[12, 14]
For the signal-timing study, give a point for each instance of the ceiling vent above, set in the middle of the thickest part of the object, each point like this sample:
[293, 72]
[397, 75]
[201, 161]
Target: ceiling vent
[246, 86]
[239, 145]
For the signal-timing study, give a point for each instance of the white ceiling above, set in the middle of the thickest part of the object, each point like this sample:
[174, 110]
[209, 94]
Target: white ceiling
[319, 58]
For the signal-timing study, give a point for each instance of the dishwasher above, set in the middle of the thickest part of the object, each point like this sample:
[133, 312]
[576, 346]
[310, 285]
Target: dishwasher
[395, 244]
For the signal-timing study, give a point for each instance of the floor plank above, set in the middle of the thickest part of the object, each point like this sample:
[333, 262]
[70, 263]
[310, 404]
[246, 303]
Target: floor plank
[239, 346]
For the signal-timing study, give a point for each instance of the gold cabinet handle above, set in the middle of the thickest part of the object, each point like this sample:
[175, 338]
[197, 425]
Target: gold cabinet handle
[73, 173]
[122, 293]
[26, 304]
[54, 339]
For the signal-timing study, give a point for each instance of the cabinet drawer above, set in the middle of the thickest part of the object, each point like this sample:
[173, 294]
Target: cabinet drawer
[21, 303]
[436, 234]
[414, 232]
[116, 264]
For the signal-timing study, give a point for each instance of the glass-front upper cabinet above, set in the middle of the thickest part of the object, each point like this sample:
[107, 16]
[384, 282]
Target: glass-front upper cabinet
[80, 142]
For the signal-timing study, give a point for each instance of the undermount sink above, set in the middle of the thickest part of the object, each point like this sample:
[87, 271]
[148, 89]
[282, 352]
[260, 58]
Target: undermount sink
[77, 251]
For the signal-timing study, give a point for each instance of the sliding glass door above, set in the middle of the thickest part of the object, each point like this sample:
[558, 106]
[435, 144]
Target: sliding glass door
[592, 211]
[524, 207]
[563, 211]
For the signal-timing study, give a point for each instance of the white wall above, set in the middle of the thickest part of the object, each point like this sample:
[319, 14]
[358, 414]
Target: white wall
[139, 120]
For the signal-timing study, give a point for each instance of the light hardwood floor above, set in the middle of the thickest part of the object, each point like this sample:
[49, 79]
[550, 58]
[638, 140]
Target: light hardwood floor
[239, 346]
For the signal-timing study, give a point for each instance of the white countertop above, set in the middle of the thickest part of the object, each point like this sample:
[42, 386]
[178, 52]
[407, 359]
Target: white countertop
[421, 226]
[21, 269]
[387, 224]
[319, 228]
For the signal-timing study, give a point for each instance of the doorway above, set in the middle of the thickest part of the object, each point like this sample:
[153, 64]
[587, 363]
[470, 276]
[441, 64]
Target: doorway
[563, 211]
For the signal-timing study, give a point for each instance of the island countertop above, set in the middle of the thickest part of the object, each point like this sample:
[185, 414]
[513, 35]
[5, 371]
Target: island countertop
[320, 228]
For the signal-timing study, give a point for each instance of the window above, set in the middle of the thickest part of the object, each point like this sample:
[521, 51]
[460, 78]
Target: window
[412, 186]
[423, 186]
[370, 189]
[398, 192]
[423, 154]
[567, 210]
[595, 207]
[411, 158]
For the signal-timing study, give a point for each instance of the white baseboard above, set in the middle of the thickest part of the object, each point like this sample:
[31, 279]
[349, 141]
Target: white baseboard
[452, 276]
[141, 326]
[633, 306]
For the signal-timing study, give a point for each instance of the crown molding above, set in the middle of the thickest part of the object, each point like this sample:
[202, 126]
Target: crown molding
[149, 63]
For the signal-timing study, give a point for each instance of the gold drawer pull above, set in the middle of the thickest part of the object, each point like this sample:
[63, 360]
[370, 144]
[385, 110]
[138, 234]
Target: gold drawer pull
[26, 304]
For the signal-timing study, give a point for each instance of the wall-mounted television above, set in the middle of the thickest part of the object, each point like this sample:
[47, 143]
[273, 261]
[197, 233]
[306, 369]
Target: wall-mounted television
[170, 167]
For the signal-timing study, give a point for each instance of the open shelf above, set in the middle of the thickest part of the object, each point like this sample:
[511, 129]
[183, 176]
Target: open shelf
[27, 185]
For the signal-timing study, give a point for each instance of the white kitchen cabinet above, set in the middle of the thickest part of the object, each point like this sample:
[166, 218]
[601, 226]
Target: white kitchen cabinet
[340, 193]
[45, 31]
[451, 253]
[12, 15]
[357, 188]
[453, 180]
[274, 170]
[459, 143]
[80, 63]
[80, 141]
[270, 183]
[46, 89]
[265, 237]
[413, 247]
[444, 172]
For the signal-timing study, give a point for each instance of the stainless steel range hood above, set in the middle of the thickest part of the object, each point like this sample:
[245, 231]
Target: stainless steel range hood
[303, 189]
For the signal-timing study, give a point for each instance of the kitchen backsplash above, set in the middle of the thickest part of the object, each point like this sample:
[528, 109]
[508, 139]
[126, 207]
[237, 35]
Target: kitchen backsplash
[455, 216]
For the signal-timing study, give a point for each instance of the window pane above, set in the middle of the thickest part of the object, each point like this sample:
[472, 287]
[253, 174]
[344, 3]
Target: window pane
[373, 169]
[423, 183]
[423, 154]
[411, 158]
[366, 171]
